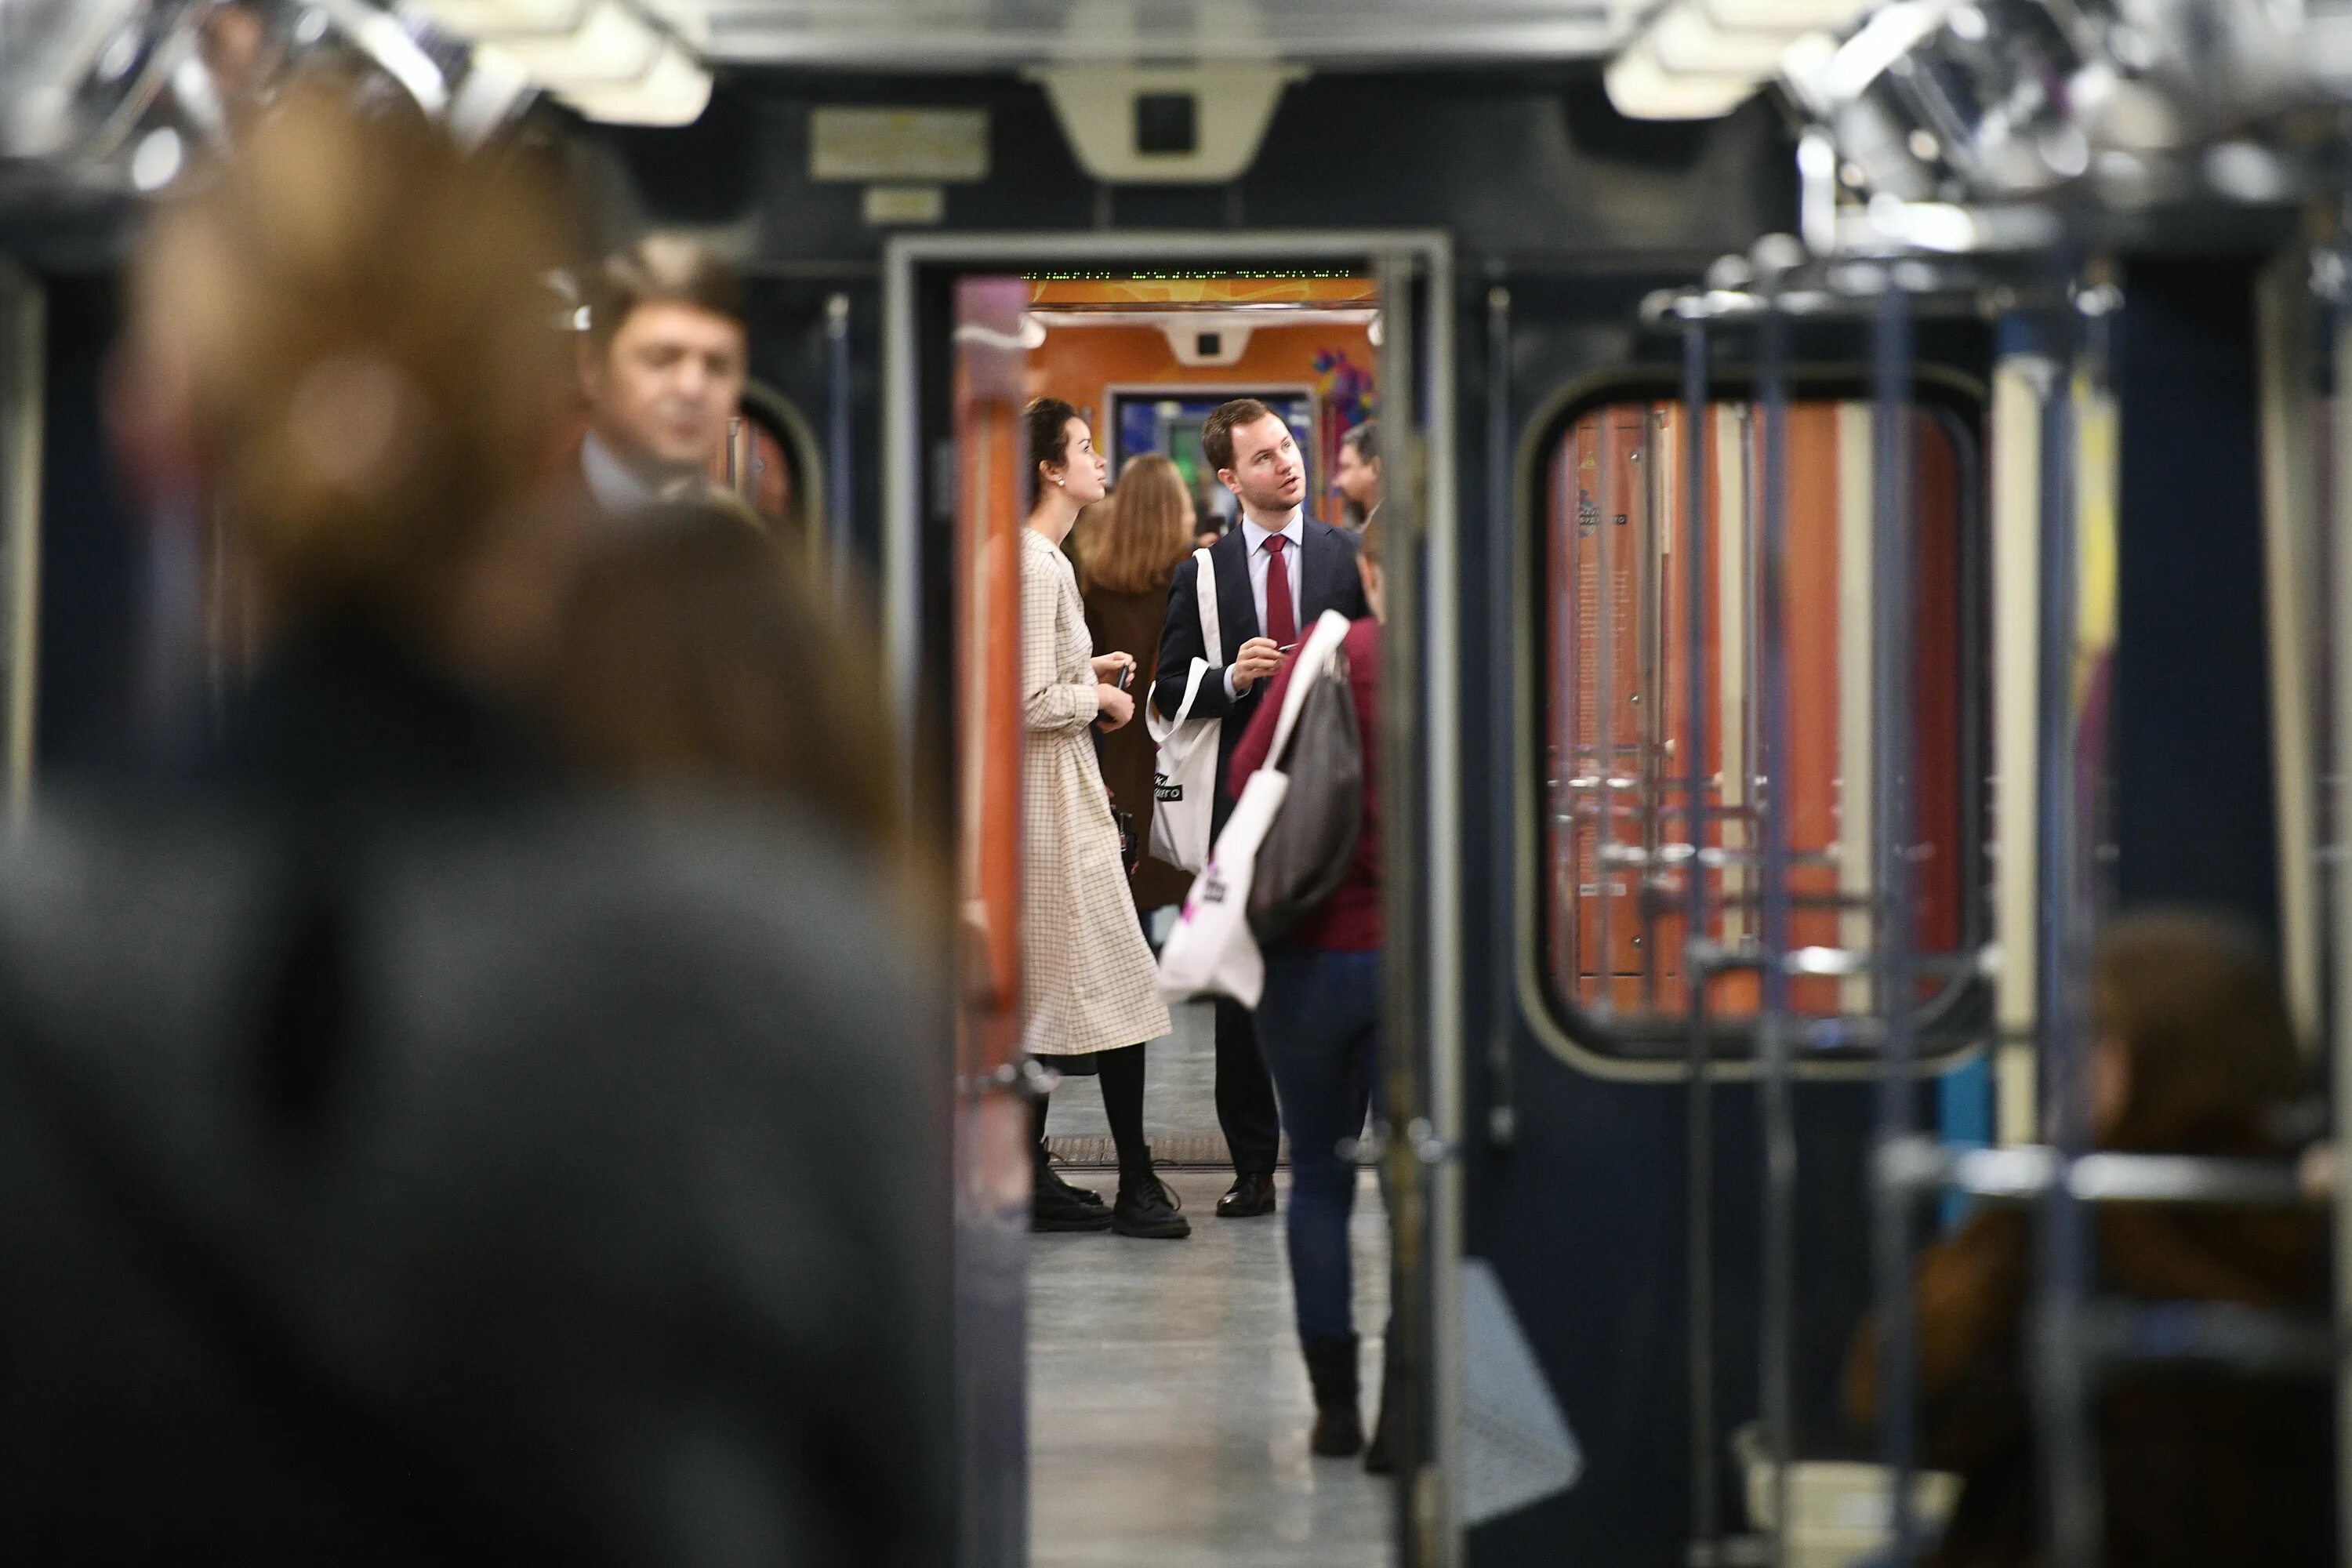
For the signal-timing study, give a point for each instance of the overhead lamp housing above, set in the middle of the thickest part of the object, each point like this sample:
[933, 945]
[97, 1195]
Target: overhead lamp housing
[1641, 88]
[674, 92]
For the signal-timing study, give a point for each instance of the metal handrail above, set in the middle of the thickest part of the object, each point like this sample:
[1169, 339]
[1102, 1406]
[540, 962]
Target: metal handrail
[2027, 1173]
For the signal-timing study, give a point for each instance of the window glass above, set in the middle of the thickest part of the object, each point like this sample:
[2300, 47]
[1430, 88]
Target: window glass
[1616, 641]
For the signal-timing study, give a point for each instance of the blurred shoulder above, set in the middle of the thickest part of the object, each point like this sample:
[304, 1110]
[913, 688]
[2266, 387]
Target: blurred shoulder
[1324, 533]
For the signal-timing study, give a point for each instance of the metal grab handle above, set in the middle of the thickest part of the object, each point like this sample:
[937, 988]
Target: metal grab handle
[1920, 1164]
[1420, 1136]
[1027, 1078]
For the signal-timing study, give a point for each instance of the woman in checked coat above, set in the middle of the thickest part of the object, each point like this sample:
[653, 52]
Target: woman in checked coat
[1090, 995]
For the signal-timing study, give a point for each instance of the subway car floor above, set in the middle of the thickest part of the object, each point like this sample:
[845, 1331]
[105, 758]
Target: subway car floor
[1168, 1406]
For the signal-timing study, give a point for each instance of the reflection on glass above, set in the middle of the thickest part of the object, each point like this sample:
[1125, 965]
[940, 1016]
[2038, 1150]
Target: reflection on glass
[1615, 645]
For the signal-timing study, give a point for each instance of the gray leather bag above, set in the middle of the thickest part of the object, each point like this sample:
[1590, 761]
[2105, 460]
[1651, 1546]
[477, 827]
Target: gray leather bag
[1307, 852]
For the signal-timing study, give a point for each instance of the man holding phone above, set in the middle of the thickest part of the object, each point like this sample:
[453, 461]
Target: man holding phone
[1273, 576]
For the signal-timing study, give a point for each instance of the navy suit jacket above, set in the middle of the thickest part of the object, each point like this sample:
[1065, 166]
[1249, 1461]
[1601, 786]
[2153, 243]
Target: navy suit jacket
[1327, 561]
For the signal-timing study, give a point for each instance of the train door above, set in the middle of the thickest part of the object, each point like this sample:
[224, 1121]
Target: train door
[962, 336]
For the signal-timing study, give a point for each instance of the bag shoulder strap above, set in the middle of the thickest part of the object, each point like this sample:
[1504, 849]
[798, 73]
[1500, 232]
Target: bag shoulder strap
[1204, 594]
[1161, 728]
[1330, 630]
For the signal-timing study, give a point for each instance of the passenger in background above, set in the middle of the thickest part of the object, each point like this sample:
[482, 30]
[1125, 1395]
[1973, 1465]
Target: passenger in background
[1273, 577]
[1357, 476]
[2193, 1055]
[694, 656]
[662, 365]
[1147, 529]
[1318, 1024]
[1090, 992]
[410, 1161]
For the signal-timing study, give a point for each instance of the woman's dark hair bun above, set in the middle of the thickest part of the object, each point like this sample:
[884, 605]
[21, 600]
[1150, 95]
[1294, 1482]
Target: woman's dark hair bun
[1046, 422]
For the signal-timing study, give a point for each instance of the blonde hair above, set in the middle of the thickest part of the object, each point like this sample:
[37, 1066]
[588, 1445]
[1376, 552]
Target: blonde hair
[357, 313]
[1147, 532]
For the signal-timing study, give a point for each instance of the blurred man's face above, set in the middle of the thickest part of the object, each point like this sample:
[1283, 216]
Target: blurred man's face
[662, 392]
[1268, 474]
[1357, 479]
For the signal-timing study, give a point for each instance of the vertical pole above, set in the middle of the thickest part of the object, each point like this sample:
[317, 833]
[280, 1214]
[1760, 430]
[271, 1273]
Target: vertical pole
[2020, 397]
[1653, 561]
[837, 486]
[1776, 1317]
[1604, 714]
[2062, 1385]
[23, 358]
[1700, 1120]
[1403, 1017]
[1503, 593]
[1895, 524]
[2339, 626]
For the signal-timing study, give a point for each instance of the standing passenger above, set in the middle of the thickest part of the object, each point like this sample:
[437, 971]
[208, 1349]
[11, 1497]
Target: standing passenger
[1273, 576]
[1357, 474]
[1318, 1023]
[1147, 529]
[662, 365]
[1089, 990]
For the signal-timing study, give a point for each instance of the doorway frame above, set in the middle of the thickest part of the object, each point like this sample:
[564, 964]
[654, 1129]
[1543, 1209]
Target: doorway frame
[1429, 253]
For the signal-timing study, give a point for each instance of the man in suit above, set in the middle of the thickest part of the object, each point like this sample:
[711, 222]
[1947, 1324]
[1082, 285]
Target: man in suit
[1273, 575]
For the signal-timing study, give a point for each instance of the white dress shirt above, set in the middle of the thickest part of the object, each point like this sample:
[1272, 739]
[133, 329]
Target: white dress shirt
[620, 488]
[1261, 561]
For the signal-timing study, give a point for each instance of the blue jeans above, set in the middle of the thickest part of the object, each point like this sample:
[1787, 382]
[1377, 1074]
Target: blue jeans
[1318, 1025]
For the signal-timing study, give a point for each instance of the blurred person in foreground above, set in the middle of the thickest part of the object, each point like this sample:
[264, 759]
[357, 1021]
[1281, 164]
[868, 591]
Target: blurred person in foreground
[1318, 1025]
[661, 366]
[692, 655]
[410, 1160]
[2198, 1465]
[1146, 527]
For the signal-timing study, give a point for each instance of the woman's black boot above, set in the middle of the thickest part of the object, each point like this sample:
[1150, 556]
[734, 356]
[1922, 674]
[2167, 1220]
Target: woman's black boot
[1146, 1207]
[1331, 1370]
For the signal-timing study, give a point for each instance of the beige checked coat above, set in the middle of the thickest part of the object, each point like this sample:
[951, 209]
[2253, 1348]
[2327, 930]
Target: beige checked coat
[1087, 980]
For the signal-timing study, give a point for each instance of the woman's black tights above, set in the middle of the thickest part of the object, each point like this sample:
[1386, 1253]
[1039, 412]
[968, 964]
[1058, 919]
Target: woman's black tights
[1120, 1073]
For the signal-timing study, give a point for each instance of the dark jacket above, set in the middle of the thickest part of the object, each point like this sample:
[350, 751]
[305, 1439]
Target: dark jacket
[411, 1165]
[1131, 622]
[2197, 1468]
[1329, 583]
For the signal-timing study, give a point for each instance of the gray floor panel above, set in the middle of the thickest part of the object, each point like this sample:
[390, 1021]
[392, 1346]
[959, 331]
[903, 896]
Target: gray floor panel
[1169, 1409]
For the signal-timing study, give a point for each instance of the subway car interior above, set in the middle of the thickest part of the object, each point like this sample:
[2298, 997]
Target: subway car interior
[1863, 573]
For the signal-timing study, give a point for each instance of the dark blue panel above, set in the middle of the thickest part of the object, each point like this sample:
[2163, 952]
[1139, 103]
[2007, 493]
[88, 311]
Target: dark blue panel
[2193, 806]
[91, 549]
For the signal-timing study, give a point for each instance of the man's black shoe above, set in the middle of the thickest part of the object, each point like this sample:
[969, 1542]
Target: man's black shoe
[1050, 1210]
[1248, 1197]
[1149, 1212]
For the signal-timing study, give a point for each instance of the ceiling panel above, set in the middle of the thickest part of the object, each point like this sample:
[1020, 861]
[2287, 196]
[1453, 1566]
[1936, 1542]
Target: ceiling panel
[999, 35]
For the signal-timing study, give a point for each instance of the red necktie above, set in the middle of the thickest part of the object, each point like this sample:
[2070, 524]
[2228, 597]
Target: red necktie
[1281, 620]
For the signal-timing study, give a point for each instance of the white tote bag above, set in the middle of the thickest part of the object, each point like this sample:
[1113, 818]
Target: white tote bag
[1211, 950]
[1184, 776]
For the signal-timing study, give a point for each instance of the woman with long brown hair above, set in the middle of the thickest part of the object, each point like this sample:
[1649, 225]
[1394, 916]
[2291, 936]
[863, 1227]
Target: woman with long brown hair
[2193, 1055]
[1131, 556]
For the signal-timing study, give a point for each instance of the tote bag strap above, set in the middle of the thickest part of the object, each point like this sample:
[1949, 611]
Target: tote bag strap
[1161, 728]
[1204, 594]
